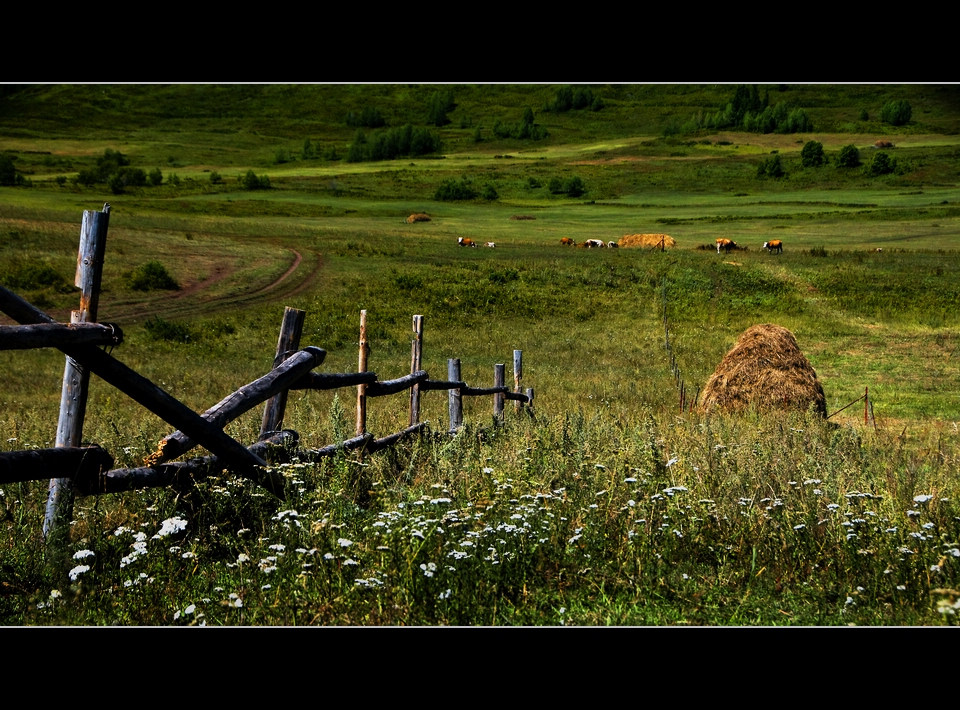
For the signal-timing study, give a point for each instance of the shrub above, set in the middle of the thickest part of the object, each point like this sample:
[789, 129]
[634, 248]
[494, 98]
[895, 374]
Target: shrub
[882, 164]
[8, 172]
[251, 181]
[454, 189]
[155, 177]
[771, 167]
[896, 113]
[849, 157]
[152, 276]
[33, 276]
[574, 187]
[812, 156]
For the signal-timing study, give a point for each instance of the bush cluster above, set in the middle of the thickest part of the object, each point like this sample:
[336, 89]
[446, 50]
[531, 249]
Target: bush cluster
[152, 276]
[393, 143]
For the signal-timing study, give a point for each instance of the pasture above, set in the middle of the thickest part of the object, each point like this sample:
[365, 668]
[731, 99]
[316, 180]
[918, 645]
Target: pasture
[331, 238]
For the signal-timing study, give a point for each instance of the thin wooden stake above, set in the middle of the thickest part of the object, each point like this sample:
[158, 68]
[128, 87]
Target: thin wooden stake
[416, 357]
[455, 399]
[362, 367]
[76, 377]
[517, 376]
[866, 404]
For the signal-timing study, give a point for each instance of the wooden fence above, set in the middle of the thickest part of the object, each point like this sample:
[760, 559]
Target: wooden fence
[75, 469]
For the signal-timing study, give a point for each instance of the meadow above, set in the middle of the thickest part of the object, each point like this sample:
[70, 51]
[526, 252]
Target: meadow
[604, 504]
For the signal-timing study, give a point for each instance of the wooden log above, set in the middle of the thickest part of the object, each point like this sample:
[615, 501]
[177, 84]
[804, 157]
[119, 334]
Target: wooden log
[141, 390]
[61, 462]
[362, 367]
[416, 357]
[332, 381]
[393, 439]
[380, 389]
[455, 401]
[499, 371]
[52, 335]
[289, 342]
[442, 384]
[276, 448]
[76, 375]
[243, 400]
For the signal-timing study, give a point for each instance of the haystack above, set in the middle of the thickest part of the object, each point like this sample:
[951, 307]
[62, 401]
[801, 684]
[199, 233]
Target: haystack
[764, 370]
[648, 241]
[418, 217]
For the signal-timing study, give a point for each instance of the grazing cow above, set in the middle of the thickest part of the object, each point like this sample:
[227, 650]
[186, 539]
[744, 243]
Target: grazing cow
[568, 242]
[491, 245]
[594, 244]
[612, 245]
[879, 249]
[726, 245]
[466, 242]
[774, 245]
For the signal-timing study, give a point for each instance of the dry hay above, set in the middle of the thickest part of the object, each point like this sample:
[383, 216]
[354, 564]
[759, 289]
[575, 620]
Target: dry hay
[649, 241]
[764, 370]
[418, 217]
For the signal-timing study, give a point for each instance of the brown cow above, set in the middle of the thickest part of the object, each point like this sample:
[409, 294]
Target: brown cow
[466, 242]
[568, 242]
[774, 245]
[726, 245]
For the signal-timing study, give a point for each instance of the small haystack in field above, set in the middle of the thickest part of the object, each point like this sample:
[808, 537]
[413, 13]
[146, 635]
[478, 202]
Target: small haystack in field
[764, 370]
[647, 241]
[418, 217]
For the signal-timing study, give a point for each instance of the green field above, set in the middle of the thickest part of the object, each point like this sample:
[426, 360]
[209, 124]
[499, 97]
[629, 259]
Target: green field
[868, 282]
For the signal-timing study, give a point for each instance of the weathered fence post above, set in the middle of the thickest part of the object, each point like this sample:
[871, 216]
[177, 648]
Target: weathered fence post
[866, 403]
[76, 377]
[287, 344]
[517, 376]
[362, 367]
[415, 360]
[455, 400]
[499, 371]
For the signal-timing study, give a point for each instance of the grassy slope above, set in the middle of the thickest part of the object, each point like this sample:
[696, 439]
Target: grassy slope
[348, 218]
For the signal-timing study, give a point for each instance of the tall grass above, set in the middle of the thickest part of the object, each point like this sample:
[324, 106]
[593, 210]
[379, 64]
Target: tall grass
[566, 520]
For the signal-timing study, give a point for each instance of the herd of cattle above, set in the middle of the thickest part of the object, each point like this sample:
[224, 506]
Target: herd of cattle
[723, 244]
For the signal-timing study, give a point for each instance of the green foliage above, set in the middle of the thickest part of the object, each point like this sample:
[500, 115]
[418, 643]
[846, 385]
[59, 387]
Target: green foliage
[882, 164]
[393, 143]
[896, 113]
[526, 129]
[812, 155]
[216, 178]
[455, 189]
[570, 98]
[849, 157]
[152, 276]
[369, 117]
[771, 167]
[251, 181]
[8, 171]
[34, 275]
[155, 178]
[440, 103]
